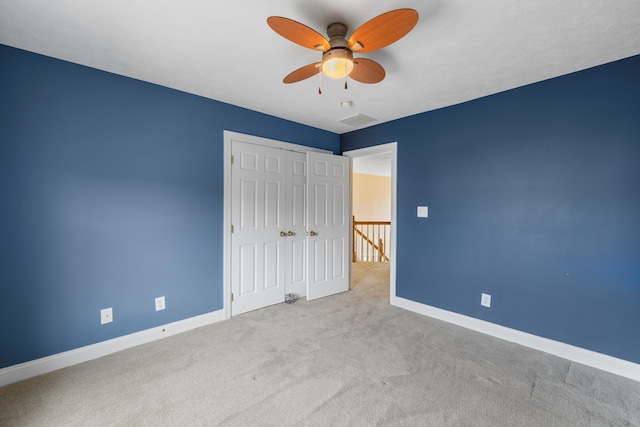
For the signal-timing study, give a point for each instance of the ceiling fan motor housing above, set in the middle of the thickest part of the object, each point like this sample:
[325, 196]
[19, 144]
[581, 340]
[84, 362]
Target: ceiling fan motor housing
[337, 62]
[337, 33]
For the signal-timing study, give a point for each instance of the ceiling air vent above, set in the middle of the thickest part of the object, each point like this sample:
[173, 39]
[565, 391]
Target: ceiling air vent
[357, 120]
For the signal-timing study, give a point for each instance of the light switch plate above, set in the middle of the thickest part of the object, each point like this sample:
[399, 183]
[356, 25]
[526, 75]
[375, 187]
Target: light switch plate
[423, 211]
[485, 300]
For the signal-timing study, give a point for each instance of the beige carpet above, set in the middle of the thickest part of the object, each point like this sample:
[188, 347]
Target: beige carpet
[347, 360]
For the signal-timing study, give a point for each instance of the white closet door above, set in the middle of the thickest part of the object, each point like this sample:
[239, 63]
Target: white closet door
[258, 218]
[296, 224]
[329, 224]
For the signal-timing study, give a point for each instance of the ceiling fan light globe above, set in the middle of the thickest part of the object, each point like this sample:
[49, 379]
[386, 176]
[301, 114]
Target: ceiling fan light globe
[337, 67]
[337, 63]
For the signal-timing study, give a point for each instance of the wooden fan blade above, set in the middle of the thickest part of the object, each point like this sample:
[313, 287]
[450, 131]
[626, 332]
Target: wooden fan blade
[383, 30]
[298, 33]
[367, 71]
[303, 73]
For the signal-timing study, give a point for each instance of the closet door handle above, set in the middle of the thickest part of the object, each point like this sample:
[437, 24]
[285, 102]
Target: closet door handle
[290, 233]
[312, 233]
[283, 234]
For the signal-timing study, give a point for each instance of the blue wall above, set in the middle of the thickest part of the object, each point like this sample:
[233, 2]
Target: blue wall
[534, 198]
[112, 195]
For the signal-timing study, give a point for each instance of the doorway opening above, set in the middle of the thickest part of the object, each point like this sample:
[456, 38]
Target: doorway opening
[374, 213]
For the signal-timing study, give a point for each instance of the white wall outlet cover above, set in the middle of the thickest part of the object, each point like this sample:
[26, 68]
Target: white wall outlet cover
[160, 303]
[423, 211]
[486, 300]
[106, 315]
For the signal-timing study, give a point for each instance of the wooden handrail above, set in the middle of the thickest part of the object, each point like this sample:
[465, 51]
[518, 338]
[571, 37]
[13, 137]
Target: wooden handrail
[371, 222]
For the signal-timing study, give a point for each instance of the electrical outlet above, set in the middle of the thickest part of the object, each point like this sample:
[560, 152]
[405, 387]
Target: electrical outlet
[160, 303]
[486, 300]
[106, 315]
[423, 211]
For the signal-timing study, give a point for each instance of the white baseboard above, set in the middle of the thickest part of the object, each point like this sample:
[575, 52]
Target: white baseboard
[54, 362]
[566, 351]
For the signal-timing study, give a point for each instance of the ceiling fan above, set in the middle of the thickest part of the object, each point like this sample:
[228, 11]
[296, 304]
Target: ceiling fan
[337, 51]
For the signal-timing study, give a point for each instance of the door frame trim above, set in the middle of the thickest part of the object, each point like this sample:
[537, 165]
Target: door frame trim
[229, 137]
[391, 147]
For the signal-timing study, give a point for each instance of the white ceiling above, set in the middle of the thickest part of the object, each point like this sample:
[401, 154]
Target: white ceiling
[459, 50]
[375, 164]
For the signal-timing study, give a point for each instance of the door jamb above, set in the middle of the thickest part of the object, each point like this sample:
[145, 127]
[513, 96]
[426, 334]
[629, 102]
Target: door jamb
[391, 147]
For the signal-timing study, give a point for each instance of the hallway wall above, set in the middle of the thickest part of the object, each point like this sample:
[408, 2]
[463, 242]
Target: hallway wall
[371, 197]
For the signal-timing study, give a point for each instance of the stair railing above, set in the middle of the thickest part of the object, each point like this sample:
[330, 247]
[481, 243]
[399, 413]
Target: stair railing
[370, 240]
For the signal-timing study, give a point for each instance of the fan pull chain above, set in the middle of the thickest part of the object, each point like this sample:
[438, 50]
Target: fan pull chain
[320, 84]
[345, 71]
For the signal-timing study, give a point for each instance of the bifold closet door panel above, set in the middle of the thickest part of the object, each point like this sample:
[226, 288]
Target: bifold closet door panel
[258, 216]
[329, 229]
